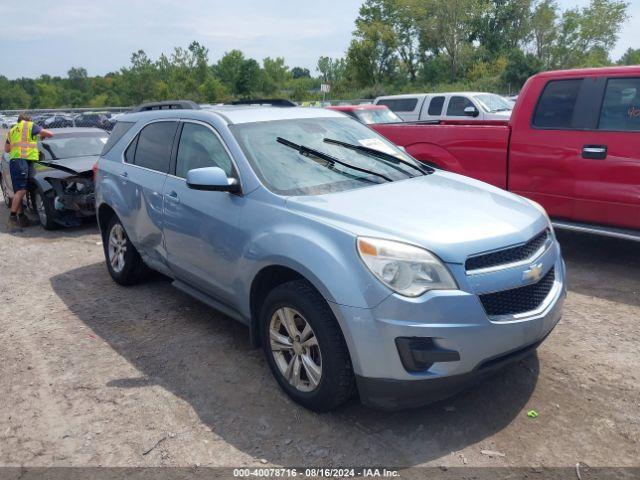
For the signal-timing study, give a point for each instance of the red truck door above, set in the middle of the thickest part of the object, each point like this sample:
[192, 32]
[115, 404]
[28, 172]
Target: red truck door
[607, 188]
[562, 158]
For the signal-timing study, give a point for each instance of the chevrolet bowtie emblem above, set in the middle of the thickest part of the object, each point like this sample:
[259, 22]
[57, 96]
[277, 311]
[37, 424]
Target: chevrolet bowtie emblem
[533, 273]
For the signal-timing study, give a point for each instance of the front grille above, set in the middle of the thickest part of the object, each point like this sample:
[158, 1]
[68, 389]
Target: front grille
[518, 300]
[508, 255]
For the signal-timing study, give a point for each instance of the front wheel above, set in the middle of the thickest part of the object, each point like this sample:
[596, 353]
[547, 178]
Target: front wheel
[123, 260]
[43, 205]
[5, 192]
[305, 348]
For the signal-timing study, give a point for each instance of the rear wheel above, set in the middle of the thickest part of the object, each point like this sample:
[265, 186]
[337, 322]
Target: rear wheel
[123, 260]
[305, 348]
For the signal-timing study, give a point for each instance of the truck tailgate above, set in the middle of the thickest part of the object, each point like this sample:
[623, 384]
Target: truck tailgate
[476, 150]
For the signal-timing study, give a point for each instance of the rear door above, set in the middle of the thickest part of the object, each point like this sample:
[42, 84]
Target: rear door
[432, 108]
[201, 230]
[146, 164]
[607, 189]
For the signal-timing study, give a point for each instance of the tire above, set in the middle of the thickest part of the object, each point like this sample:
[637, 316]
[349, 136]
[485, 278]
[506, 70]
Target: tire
[299, 301]
[5, 192]
[123, 260]
[43, 206]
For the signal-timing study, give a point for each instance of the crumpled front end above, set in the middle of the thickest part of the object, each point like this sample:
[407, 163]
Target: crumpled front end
[73, 198]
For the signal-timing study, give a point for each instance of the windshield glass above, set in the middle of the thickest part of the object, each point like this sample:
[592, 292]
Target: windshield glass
[286, 172]
[79, 144]
[490, 102]
[377, 116]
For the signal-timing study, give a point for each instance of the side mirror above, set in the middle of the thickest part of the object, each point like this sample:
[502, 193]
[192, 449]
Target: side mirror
[471, 112]
[212, 179]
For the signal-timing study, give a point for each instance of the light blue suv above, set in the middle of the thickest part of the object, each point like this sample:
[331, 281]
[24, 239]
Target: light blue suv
[355, 267]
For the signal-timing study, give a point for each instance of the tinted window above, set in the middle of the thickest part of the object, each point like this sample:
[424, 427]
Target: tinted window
[130, 153]
[435, 107]
[557, 103]
[621, 105]
[199, 147]
[457, 105]
[154, 146]
[118, 131]
[400, 104]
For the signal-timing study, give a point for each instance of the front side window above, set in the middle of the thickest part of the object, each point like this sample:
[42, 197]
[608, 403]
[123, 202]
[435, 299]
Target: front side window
[557, 103]
[154, 144]
[199, 147]
[286, 172]
[435, 106]
[457, 105]
[621, 105]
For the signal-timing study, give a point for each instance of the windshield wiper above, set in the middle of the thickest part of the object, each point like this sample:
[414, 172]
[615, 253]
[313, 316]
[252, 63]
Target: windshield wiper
[306, 152]
[372, 152]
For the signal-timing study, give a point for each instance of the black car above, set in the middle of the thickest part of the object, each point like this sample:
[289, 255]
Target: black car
[92, 120]
[61, 189]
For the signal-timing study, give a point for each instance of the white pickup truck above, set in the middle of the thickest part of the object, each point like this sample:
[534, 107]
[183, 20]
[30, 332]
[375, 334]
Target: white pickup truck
[448, 106]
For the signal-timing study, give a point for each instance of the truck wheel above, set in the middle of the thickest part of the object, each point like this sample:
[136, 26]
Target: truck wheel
[305, 348]
[43, 205]
[123, 260]
[5, 192]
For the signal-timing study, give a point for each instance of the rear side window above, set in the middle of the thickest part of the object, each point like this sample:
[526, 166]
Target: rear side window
[154, 146]
[621, 105]
[117, 133]
[400, 104]
[457, 105]
[557, 103]
[435, 107]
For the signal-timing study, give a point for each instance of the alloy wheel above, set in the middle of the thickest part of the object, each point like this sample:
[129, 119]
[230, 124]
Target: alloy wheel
[5, 193]
[117, 248]
[295, 349]
[42, 213]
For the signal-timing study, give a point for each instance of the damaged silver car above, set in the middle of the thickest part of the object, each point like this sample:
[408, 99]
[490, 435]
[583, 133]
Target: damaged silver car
[61, 188]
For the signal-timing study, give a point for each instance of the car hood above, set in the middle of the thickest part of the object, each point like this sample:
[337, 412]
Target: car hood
[68, 166]
[450, 215]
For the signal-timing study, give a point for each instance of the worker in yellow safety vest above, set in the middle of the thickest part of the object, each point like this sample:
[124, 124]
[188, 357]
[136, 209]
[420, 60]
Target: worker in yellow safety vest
[22, 147]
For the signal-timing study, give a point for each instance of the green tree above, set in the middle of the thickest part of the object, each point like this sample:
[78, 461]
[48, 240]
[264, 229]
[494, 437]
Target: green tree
[544, 30]
[520, 67]
[630, 57]
[299, 72]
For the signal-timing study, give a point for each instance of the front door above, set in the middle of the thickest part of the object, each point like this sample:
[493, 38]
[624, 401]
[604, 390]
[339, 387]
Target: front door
[201, 231]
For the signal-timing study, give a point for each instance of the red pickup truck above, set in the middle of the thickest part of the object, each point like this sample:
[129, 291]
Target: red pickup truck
[572, 144]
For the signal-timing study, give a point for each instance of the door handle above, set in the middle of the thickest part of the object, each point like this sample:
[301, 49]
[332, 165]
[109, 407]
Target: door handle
[124, 174]
[594, 152]
[173, 196]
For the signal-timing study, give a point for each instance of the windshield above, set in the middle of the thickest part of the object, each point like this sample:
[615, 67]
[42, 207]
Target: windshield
[490, 102]
[79, 144]
[286, 172]
[382, 115]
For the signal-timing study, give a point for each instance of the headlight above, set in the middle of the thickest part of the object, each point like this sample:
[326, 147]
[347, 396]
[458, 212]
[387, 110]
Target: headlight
[405, 269]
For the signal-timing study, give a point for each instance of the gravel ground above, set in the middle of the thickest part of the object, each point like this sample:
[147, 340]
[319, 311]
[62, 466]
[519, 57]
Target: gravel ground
[98, 374]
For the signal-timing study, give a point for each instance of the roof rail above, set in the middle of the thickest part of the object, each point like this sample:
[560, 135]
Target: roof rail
[274, 102]
[166, 105]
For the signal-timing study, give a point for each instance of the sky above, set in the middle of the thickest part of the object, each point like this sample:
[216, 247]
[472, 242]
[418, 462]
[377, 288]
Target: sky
[101, 35]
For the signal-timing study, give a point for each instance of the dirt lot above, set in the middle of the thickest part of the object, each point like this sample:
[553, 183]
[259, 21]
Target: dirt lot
[97, 374]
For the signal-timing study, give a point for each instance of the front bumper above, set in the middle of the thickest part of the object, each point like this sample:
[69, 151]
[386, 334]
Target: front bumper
[454, 321]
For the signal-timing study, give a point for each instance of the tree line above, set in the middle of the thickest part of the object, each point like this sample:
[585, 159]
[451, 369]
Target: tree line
[397, 46]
